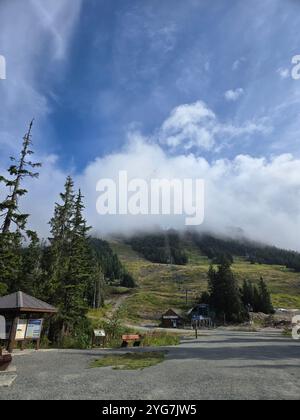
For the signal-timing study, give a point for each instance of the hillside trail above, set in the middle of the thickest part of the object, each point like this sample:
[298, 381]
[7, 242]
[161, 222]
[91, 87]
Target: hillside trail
[117, 303]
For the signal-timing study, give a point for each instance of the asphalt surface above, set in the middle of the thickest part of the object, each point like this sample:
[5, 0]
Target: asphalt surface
[220, 365]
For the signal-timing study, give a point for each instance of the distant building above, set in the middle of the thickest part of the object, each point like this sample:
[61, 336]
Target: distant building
[200, 316]
[172, 319]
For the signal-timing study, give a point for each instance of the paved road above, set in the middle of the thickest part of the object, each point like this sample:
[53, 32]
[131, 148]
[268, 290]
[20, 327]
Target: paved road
[221, 365]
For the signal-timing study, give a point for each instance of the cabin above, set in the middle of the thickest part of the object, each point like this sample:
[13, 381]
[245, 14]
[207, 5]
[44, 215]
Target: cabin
[172, 319]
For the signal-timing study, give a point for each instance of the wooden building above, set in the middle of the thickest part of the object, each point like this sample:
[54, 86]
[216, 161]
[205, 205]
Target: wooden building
[172, 319]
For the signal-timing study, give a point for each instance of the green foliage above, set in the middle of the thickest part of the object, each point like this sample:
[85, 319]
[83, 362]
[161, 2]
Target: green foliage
[164, 248]
[11, 260]
[3, 289]
[127, 280]
[80, 337]
[113, 325]
[73, 270]
[224, 293]
[265, 298]
[109, 261]
[160, 339]
[20, 169]
[257, 298]
[214, 247]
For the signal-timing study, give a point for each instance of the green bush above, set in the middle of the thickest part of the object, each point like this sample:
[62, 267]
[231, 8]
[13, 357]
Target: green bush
[80, 337]
[3, 289]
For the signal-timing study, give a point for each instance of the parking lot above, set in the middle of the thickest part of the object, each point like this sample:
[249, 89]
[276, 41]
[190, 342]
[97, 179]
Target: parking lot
[218, 365]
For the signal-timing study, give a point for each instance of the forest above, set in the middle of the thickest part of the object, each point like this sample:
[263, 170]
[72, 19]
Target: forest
[167, 247]
[70, 268]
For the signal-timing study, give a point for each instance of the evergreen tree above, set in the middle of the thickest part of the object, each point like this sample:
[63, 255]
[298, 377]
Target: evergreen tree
[11, 240]
[256, 299]
[18, 171]
[248, 294]
[31, 272]
[99, 286]
[127, 280]
[61, 230]
[79, 275]
[224, 294]
[10, 260]
[265, 298]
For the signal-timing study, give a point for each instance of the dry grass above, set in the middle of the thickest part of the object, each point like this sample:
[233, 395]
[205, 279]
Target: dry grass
[160, 286]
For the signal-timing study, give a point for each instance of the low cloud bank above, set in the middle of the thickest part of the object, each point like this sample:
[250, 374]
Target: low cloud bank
[260, 196]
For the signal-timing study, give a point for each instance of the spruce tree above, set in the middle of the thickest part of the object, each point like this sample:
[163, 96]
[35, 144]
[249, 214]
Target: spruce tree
[20, 169]
[224, 294]
[61, 231]
[265, 298]
[248, 294]
[10, 260]
[31, 272]
[78, 278]
[13, 222]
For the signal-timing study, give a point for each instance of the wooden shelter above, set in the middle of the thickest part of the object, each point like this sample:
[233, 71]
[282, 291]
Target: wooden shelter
[24, 318]
[172, 319]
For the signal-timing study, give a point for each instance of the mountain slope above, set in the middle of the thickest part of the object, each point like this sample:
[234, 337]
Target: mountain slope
[162, 286]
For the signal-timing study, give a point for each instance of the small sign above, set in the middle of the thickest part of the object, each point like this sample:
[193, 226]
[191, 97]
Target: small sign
[34, 329]
[130, 337]
[99, 333]
[21, 329]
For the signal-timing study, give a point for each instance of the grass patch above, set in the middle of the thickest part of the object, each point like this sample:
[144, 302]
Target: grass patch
[160, 339]
[130, 361]
[160, 286]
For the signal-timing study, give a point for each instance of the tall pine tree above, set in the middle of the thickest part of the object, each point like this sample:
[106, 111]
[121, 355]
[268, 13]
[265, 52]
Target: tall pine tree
[20, 169]
[13, 222]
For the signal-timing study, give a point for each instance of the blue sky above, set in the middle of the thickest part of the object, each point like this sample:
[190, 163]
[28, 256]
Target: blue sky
[211, 80]
[131, 62]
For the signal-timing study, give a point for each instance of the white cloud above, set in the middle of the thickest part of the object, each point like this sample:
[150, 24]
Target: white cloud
[189, 125]
[284, 73]
[234, 95]
[260, 196]
[237, 63]
[196, 126]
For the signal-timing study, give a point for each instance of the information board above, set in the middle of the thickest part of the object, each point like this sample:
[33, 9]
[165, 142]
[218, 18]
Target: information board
[21, 329]
[34, 329]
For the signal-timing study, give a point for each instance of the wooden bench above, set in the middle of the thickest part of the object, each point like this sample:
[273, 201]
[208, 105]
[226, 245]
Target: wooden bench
[131, 338]
[5, 360]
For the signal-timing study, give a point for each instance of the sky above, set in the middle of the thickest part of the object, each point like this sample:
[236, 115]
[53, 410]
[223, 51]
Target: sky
[194, 89]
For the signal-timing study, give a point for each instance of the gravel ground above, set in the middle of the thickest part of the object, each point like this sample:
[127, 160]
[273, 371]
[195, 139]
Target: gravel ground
[219, 365]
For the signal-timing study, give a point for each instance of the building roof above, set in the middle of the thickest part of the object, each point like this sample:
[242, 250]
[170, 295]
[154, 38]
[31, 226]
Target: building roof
[21, 302]
[177, 312]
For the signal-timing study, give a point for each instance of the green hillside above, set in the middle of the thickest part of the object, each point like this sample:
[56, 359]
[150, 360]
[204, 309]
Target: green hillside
[161, 286]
